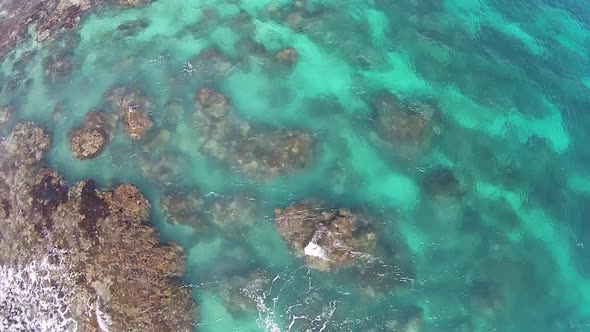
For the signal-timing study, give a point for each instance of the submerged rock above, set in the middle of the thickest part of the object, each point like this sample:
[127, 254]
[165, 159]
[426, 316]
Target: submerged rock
[87, 143]
[58, 65]
[235, 214]
[104, 263]
[209, 65]
[164, 169]
[134, 107]
[410, 128]
[185, 209]
[288, 56]
[133, 27]
[232, 215]
[443, 183]
[90, 140]
[327, 239]
[257, 150]
[446, 193]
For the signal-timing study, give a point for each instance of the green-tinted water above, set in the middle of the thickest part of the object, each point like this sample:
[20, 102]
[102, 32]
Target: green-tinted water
[511, 82]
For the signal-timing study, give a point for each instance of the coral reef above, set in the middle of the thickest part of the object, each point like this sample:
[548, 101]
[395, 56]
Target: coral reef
[102, 262]
[256, 150]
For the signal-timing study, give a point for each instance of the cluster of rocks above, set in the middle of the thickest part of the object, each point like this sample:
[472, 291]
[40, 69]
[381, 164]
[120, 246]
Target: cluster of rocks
[256, 150]
[114, 274]
[410, 128]
[233, 215]
[131, 107]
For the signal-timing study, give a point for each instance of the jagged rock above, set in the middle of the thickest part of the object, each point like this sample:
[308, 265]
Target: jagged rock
[327, 239]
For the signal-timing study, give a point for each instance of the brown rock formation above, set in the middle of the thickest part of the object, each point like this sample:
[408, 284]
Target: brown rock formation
[102, 262]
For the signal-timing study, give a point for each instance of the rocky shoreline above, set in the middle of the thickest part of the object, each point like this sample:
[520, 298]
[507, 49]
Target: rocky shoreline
[83, 258]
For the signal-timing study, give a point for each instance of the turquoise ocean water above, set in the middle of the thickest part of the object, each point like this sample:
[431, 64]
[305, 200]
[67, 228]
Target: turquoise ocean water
[511, 80]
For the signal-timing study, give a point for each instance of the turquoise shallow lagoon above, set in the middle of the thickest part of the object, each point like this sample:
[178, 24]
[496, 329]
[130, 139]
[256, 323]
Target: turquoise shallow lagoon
[509, 81]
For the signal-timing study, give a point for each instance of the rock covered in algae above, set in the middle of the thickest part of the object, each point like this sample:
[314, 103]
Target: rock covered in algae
[327, 239]
[257, 150]
[89, 141]
[409, 127]
[99, 265]
[134, 107]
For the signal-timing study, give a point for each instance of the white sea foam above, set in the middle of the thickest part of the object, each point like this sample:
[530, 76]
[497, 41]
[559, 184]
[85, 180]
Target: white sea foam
[32, 299]
[314, 250]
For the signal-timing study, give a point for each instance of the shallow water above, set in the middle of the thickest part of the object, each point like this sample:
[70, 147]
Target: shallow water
[511, 82]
